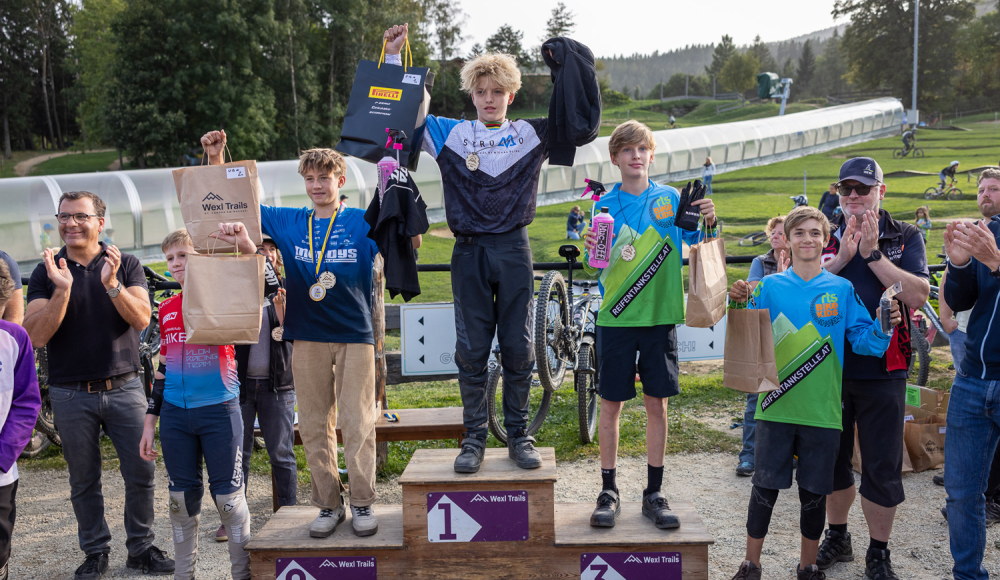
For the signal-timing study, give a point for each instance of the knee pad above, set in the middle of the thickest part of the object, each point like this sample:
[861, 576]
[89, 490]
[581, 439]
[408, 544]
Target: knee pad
[185, 513]
[235, 515]
[759, 511]
[812, 517]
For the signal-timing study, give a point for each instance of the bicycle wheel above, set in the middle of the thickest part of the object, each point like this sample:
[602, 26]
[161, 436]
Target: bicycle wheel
[551, 322]
[539, 400]
[39, 443]
[754, 239]
[46, 422]
[149, 349]
[955, 194]
[930, 193]
[258, 443]
[897, 153]
[586, 392]
[920, 360]
[918, 153]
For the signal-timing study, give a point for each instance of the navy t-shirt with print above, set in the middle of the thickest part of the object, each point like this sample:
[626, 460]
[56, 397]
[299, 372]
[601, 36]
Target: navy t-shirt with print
[345, 313]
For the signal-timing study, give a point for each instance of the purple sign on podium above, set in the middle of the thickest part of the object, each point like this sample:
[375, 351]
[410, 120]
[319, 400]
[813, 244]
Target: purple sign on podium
[339, 568]
[631, 566]
[477, 516]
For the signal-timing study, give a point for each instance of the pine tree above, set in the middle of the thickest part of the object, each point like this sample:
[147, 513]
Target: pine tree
[807, 68]
[763, 54]
[561, 23]
[723, 52]
[508, 41]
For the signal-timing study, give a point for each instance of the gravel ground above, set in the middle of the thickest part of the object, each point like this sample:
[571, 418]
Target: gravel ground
[45, 542]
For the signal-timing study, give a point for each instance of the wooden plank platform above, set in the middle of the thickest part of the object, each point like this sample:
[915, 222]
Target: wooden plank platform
[631, 529]
[436, 467]
[288, 531]
[413, 425]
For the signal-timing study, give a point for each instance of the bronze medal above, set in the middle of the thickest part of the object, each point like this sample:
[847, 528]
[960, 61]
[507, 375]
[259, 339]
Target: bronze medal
[317, 292]
[472, 161]
[328, 280]
[628, 252]
[277, 332]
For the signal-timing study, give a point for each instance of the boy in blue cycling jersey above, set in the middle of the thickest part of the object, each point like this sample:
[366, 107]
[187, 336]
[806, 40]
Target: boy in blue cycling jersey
[196, 392]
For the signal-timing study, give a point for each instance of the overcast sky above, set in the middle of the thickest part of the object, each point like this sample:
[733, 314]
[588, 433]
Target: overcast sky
[616, 27]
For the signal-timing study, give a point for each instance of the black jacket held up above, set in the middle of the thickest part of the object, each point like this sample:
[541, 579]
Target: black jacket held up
[575, 107]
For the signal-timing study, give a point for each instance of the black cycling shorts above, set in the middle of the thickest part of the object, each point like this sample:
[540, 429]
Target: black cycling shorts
[657, 366]
[777, 444]
[877, 408]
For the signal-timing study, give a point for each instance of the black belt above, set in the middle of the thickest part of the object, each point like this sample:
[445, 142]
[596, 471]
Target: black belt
[100, 385]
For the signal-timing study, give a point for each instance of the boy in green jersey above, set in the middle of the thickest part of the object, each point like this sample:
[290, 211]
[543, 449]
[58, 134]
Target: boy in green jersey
[812, 311]
[643, 302]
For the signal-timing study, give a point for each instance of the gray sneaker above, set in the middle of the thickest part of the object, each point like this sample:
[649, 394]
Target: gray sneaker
[608, 509]
[522, 451]
[326, 522]
[656, 508]
[471, 456]
[364, 521]
[811, 572]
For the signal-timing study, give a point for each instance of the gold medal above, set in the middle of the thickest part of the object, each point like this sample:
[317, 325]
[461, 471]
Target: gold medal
[277, 332]
[317, 292]
[472, 161]
[628, 252]
[327, 280]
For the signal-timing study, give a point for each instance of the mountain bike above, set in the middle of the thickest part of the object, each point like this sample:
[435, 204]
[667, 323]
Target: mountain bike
[951, 192]
[915, 152]
[565, 338]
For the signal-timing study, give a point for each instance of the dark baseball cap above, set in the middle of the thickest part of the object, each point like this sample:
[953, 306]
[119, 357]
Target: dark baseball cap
[863, 169]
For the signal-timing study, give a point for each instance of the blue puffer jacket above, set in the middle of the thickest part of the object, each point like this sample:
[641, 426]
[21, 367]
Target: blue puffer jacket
[973, 287]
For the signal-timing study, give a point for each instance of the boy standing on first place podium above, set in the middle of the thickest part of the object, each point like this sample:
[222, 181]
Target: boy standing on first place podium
[490, 169]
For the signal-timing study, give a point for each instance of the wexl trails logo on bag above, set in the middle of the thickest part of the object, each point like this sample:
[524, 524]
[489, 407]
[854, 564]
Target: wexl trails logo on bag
[384, 93]
[209, 205]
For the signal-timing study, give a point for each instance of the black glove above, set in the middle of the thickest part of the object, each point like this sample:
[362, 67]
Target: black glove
[687, 214]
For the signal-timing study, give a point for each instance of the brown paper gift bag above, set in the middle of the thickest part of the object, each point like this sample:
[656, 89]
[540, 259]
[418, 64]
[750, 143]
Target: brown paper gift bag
[748, 363]
[223, 299]
[707, 284]
[924, 438]
[209, 194]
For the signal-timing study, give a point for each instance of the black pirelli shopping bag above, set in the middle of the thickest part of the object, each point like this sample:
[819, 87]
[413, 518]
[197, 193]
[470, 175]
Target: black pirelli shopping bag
[386, 96]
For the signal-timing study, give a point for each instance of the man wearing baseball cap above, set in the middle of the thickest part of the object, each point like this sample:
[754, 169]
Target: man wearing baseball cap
[873, 251]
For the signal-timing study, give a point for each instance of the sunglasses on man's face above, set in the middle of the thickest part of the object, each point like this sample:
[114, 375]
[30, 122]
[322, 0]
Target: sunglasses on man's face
[862, 190]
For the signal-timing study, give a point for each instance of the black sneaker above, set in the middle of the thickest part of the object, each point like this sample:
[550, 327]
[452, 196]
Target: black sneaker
[656, 508]
[992, 512]
[748, 571]
[93, 568]
[878, 566]
[944, 512]
[938, 480]
[522, 451]
[471, 456]
[609, 507]
[152, 561]
[811, 572]
[744, 469]
[836, 547]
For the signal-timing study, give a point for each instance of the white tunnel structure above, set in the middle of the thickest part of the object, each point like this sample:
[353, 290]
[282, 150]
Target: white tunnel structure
[143, 208]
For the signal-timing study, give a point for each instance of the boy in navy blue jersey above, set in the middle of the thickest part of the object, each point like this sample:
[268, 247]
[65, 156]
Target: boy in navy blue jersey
[490, 169]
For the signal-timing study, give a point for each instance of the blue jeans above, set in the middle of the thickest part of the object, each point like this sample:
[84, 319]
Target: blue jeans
[956, 340]
[276, 411]
[79, 416]
[572, 235]
[213, 432]
[973, 431]
[749, 427]
[708, 183]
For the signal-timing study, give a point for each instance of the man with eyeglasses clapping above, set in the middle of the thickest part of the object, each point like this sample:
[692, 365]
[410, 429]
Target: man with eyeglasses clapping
[873, 251]
[88, 302]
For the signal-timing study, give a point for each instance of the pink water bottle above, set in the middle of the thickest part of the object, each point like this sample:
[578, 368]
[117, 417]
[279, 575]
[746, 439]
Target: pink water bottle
[388, 165]
[604, 225]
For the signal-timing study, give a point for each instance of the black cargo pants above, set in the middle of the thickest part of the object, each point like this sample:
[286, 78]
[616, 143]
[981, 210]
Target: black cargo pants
[493, 284]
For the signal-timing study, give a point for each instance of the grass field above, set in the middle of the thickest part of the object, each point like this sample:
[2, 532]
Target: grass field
[76, 163]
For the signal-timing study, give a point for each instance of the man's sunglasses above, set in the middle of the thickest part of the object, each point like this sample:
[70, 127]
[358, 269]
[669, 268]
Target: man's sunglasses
[863, 190]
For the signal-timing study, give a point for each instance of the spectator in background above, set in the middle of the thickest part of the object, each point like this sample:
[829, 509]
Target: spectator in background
[575, 223]
[88, 303]
[923, 221]
[830, 201]
[672, 121]
[343, 201]
[46, 236]
[777, 259]
[707, 173]
[13, 309]
[268, 247]
[20, 402]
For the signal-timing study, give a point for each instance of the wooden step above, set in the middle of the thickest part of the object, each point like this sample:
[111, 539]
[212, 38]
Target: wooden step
[437, 467]
[286, 535]
[413, 425]
[631, 528]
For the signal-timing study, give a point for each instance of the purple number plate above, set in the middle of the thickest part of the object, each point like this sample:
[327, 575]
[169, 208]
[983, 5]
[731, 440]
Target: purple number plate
[477, 516]
[341, 568]
[631, 566]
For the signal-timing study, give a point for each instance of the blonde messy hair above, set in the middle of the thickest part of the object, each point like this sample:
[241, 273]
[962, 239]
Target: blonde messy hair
[773, 223]
[175, 238]
[322, 160]
[803, 214]
[500, 68]
[631, 132]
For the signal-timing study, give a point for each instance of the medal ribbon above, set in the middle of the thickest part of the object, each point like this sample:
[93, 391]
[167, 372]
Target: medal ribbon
[322, 252]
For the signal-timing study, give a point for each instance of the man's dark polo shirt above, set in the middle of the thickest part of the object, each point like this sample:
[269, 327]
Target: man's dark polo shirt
[94, 341]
